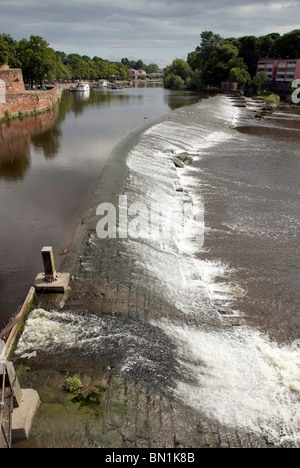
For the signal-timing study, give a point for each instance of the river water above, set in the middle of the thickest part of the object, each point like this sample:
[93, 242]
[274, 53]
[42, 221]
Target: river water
[229, 348]
[49, 168]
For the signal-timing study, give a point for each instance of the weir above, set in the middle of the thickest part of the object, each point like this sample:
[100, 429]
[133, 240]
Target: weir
[18, 406]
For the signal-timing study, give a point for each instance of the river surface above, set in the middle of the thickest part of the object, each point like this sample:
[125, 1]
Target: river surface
[49, 168]
[208, 313]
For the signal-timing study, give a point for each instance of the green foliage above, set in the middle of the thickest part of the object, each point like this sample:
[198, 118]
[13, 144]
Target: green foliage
[73, 384]
[91, 400]
[180, 68]
[194, 82]
[4, 51]
[239, 76]
[288, 45]
[40, 62]
[172, 81]
[176, 75]
[215, 57]
[261, 82]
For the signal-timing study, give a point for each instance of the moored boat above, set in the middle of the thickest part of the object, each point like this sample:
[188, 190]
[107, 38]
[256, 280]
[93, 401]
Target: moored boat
[80, 87]
[102, 84]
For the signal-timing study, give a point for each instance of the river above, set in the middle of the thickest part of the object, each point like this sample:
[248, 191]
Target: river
[206, 315]
[49, 168]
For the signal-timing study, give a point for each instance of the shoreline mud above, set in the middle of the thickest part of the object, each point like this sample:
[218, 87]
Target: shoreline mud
[113, 409]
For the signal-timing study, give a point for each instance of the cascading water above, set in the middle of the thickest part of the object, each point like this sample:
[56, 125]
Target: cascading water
[217, 271]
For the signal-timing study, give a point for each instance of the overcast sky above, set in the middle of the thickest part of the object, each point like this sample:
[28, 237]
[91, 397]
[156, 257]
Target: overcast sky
[155, 31]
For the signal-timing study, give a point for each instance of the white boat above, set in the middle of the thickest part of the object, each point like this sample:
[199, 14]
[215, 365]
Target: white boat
[81, 87]
[102, 84]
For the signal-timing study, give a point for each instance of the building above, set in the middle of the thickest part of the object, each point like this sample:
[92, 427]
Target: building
[136, 74]
[280, 71]
[229, 86]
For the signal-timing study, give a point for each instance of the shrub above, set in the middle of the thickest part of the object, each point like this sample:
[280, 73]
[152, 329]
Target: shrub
[73, 384]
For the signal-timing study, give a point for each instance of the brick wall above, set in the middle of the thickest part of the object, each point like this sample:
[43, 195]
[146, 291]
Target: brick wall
[17, 99]
[13, 79]
[28, 101]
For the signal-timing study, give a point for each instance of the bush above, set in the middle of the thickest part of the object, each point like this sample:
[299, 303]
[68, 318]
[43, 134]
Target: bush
[174, 82]
[73, 384]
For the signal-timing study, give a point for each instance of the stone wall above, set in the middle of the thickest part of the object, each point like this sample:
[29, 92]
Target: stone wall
[29, 101]
[13, 79]
[16, 99]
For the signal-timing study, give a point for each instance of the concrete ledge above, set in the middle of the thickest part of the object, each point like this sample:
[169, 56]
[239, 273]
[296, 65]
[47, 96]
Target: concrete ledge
[23, 416]
[60, 285]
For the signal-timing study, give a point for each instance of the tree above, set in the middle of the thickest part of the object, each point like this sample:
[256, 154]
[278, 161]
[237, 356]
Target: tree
[78, 67]
[266, 46]
[288, 46]
[180, 68]
[38, 59]
[151, 68]
[194, 82]
[172, 81]
[239, 76]
[12, 46]
[4, 51]
[261, 81]
[219, 64]
[250, 51]
[61, 70]
[209, 42]
[139, 65]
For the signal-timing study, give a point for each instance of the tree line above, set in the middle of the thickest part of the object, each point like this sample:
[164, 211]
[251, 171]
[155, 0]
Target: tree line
[217, 60]
[39, 62]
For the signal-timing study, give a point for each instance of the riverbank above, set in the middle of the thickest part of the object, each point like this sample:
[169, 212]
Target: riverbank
[28, 104]
[125, 399]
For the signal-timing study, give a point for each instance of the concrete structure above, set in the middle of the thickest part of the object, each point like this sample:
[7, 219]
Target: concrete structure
[22, 416]
[49, 267]
[50, 281]
[17, 406]
[229, 86]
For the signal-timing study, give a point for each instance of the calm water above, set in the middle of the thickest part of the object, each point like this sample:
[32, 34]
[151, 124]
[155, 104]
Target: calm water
[48, 170]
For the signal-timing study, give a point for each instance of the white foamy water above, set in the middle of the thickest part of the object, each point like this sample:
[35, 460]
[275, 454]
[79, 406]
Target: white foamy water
[236, 376]
[241, 379]
[188, 282]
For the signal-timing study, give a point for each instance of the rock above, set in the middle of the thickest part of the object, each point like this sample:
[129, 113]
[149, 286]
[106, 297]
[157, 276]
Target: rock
[185, 158]
[177, 162]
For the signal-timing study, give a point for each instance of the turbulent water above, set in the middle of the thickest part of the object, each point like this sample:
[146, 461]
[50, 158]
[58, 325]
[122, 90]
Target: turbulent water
[231, 270]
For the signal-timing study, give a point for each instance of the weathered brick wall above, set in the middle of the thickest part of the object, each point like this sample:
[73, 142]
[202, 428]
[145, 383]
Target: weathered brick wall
[28, 101]
[16, 99]
[13, 79]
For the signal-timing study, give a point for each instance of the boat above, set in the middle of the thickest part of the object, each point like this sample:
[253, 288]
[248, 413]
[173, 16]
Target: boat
[81, 87]
[102, 84]
[114, 86]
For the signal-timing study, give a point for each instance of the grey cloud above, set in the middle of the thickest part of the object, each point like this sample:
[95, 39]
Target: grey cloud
[168, 27]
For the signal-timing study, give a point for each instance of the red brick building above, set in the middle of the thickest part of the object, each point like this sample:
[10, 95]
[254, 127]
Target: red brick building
[280, 70]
